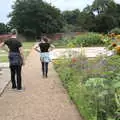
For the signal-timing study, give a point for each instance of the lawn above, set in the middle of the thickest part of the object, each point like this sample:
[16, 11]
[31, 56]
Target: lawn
[27, 47]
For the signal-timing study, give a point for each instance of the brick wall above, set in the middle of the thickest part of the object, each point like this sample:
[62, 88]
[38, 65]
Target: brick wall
[4, 37]
[57, 36]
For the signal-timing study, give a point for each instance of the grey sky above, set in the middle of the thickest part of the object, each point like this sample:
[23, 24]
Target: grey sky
[5, 6]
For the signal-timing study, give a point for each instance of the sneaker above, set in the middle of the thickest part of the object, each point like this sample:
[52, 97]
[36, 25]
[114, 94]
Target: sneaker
[46, 76]
[20, 89]
[14, 87]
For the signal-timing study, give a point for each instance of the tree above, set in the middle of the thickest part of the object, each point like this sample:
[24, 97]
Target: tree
[87, 19]
[103, 15]
[104, 23]
[71, 21]
[109, 19]
[99, 6]
[114, 11]
[71, 17]
[33, 17]
[3, 28]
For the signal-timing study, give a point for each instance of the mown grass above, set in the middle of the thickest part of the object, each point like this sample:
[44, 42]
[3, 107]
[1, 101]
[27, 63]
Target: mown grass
[28, 45]
[3, 58]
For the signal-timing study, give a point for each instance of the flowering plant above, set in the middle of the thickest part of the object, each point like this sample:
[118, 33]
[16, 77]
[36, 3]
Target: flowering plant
[117, 49]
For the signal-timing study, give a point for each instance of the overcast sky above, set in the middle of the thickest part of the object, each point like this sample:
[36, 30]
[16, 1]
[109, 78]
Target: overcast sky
[5, 6]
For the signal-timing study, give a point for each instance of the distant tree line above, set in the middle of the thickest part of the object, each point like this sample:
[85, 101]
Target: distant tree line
[101, 16]
[35, 17]
[4, 28]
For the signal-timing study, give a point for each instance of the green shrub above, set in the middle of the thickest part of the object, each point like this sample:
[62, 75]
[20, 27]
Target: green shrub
[62, 42]
[115, 30]
[89, 39]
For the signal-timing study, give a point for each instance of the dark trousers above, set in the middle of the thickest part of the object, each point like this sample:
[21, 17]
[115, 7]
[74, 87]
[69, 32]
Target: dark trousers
[16, 76]
[44, 68]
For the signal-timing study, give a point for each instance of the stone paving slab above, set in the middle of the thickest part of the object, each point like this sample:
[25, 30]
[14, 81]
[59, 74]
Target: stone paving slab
[4, 65]
[4, 79]
[88, 51]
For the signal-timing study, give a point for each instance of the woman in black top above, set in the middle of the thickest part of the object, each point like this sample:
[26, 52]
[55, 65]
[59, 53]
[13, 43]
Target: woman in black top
[44, 48]
[16, 60]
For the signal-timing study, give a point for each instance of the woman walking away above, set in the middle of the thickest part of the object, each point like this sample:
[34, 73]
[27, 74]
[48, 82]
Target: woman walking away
[16, 60]
[44, 48]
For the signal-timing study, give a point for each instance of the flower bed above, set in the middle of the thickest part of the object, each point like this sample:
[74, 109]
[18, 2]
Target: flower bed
[93, 85]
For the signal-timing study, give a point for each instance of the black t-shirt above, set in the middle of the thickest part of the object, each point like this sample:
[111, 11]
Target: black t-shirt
[13, 45]
[44, 47]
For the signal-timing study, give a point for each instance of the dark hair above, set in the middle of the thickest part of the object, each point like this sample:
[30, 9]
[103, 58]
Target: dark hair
[45, 39]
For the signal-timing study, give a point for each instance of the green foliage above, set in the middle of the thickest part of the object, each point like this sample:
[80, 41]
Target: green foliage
[115, 30]
[93, 85]
[100, 6]
[88, 39]
[70, 45]
[101, 16]
[105, 23]
[3, 28]
[107, 40]
[71, 17]
[35, 17]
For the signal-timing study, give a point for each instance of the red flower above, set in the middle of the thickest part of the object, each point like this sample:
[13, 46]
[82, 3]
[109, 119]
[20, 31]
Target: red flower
[74, 60]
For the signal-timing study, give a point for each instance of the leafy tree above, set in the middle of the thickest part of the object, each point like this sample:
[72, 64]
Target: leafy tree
[114, 11]
[87, 20]
[104, 23]
[115, 30]
[33, 17]
[3, 28]
[100, 6]
[71, 17]
[101, 16]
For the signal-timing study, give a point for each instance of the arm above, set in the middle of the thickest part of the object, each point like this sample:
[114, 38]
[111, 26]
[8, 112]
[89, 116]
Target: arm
[2, 45]
[22, 55]
[51, 47]
[36, 48]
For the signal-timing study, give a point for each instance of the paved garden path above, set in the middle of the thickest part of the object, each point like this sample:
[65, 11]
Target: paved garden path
[87, 51]
[42, 99]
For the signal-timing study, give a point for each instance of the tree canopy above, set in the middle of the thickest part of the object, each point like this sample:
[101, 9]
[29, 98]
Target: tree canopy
[34, 17]
[101, 16]
[4, 28]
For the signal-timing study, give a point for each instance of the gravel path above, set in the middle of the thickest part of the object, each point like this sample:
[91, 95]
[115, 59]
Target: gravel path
[42, 99]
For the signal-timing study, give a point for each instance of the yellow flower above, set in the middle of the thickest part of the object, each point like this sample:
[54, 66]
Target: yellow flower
[117, 50]
[117, 36]
[114, 44]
